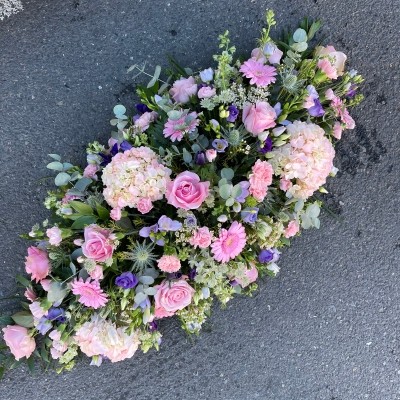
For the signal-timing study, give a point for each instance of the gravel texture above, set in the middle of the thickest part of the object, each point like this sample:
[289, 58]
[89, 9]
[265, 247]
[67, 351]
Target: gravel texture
[327, 327]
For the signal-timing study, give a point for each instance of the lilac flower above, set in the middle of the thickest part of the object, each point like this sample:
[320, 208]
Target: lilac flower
[126, 280]
[266, 256]
[149, 232]
[278, 109]
[244, 185]
[249, 215]
[191, 221]
[142, 108]
[56, 314]
[352, 91]
[316, 110]
[44, 325]
[125, 146]
[267, 146]
[166, 224]
[220, 145]
[207, 75]
[233, 113]
[200, 158]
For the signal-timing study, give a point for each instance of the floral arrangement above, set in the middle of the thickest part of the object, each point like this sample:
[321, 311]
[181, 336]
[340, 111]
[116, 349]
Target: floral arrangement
[192, 200]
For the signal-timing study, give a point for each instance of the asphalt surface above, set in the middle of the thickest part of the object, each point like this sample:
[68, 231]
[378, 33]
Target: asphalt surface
[327, 328]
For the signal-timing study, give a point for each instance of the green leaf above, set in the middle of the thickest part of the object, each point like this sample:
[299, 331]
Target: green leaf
[23, 318]
[155, 77]
[62, 179]
[187, 157]
[23, 281]
[31, 364]
[81, 207]
[300, 35]
[57, 292]
[67, 166]
[125, 223]
[225, 191]
[2, 370]
[55, 157]
[73, 268]
[55, 165]
[300, 47]
[227, 173]
[82, 184]
[102, 212]
[119, 110]
[83, 221]
[313, 29]
[6, 320]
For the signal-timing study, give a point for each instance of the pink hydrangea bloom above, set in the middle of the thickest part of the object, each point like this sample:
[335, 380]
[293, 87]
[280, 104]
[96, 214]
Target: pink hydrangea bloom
[37, 263]
[90, 294]
[259, 74]
[230, 243]
[20, 343]
[291, 229]
[175, 129]
[258, 117]
[54, 235]
[172, 296]
[100, 337]
[99, 243]
[182, 89]
[307, 159]
[202, 238]
[134, 175]
[169, 264]
[260, 179]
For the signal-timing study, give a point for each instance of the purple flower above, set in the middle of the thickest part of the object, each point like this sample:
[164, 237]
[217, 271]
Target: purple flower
[244, 185]
[174, 275]
[316, 110]
[166, 224]
[153, 326]
[192, 273]
[56, 314]
[149, 232]
[191, 221]
[220, 145]
[126, 280]
[266, 256]
[107, 157]
[44, 325]
[267, 146]
[142, 108]
[278, 109]
[352, 91]
[249, 215]
[125, 146]
[233, 113]
[200, 158]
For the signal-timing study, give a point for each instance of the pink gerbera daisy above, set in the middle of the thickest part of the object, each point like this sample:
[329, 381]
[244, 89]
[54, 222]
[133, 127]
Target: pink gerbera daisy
[90, 294]
[175, 129]
[258, 73]
[230, 243]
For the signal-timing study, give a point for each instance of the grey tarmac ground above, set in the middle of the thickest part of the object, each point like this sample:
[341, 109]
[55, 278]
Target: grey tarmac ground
[327, 328]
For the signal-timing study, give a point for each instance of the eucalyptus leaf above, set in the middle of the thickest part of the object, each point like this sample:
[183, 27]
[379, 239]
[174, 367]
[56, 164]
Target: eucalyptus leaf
[55, 165]
[23, 318]
[146, 280]
[174, 115]
[313, 210]
[155, 77]
[187, 157]
[140, 297]
[230, 202]
[57, 291]
[119, 110]
[82, 184]
[300, 47]
[236, 191]
[150, 291]
[225, 191]
[300, 35]
[73, 268]
[196, 147]
[227, 173]
[76, 253]
[62, 179]
[55, 157]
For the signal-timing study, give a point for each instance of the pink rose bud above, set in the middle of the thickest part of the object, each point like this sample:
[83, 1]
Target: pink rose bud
[98, 243]
[182, 89]
[37, 263]
[18, 340]
[211, 154]
[186, 191]
[206, 92]
[258, 117]
[201, 238]
[115, 214]
[291, 229]
[144, 206]
[54, 235]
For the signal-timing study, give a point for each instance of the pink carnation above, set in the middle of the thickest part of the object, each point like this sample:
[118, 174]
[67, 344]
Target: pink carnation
[54, 235]
[307, 159]
[182, 89]
[175, 129]
[172, 296]
[97, 273]
[90, 294]
[201, 238]
[37, 264]
[260, 179]
[169, 264]
[230, 243]
[291, 229]
[259, 74]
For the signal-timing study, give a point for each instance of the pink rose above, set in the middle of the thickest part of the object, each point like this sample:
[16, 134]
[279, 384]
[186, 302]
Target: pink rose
[259, 117]
[97, 273]
[291, 229]
[172, 296]
[251, 276]
[90, 171]
[169, 264]
[182, 89]
[206, 92]
[98, 244]
[337, 130]
[337, 59]
[18, 340]
[186, 191]
[144, 205]
[115, 214]
[144, 121]
[201, 238]
[54, 235]
[211, 154]
[37, 263]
